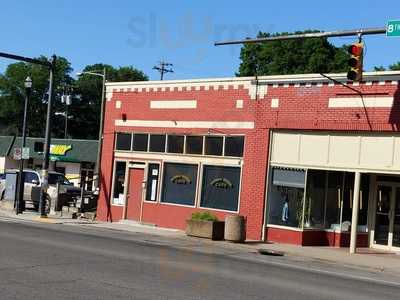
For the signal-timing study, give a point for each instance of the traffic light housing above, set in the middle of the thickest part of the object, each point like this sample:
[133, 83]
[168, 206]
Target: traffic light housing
[355, 62]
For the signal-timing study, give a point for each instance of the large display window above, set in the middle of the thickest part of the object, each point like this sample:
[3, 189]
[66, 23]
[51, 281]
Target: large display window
[179, 183]
[220, 187]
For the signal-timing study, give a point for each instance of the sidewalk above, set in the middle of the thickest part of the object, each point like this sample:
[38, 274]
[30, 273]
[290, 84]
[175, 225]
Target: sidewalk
[369, 259]
[32, 216]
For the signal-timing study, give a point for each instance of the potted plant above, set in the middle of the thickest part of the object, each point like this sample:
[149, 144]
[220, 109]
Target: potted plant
[205, 225]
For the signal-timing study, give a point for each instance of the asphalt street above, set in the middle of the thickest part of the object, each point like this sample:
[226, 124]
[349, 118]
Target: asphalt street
[70, 262]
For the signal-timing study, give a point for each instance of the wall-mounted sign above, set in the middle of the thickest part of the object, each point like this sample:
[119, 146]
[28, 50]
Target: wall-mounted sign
[181, 179]
[60, 149]
[17, 155]
[221, 183]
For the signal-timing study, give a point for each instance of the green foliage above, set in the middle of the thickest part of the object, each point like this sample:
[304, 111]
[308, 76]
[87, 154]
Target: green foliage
[393, 67]
[12, 93]
[311, 55]
[86, 98]
[380, 68]
[203, 216]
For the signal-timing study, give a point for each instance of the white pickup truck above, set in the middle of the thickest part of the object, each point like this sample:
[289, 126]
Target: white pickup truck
[33, 179]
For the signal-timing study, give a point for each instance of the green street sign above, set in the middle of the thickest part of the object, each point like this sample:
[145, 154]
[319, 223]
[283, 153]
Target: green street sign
[393, 28]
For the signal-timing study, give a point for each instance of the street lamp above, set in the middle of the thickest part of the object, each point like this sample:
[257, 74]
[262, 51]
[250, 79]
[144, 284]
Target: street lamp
[28, 89]
[67, 99]
[100, 141]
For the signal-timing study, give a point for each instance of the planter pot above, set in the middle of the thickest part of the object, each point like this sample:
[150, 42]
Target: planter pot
[205, 229]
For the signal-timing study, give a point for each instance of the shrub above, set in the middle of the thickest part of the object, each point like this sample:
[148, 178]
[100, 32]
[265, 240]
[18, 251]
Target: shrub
[204, 216]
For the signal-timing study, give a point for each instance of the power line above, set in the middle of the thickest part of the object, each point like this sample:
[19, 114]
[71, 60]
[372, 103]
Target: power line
[162, 67]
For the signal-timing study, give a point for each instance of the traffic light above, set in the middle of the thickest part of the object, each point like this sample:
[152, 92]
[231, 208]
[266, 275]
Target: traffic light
[355, 63]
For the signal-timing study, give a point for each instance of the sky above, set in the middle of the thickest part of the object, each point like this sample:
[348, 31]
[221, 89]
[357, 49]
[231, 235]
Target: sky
[142, 33]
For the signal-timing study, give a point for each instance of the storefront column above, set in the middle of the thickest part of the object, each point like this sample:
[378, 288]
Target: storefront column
[354, 218]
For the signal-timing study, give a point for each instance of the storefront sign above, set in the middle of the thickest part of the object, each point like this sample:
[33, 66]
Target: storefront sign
[60, 149]
[221, 183]
[181, 179]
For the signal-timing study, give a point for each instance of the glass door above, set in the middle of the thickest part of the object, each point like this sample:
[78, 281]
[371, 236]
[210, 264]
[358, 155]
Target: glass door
[396, 220]
[383, 214]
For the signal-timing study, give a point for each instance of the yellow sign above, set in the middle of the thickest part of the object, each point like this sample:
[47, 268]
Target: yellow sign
[60, 149]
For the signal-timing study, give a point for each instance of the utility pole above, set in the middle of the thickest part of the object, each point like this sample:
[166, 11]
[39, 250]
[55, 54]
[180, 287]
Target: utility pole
[163, 68]
[46, 154]
[51, 66]
[101, 126]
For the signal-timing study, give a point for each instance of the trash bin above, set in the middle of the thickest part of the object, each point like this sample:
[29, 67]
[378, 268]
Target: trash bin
[235, 230]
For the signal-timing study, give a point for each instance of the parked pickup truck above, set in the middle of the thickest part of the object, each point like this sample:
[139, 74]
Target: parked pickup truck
[33, 179]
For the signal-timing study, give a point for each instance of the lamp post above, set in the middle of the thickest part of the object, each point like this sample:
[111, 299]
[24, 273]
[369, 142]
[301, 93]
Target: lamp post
[101, 126]
[28, 89]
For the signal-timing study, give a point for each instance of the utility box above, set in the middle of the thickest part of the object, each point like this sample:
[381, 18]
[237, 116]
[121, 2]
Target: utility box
[10, 193]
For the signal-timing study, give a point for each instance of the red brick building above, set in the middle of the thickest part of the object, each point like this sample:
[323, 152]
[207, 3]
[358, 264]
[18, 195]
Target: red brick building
[286, 152]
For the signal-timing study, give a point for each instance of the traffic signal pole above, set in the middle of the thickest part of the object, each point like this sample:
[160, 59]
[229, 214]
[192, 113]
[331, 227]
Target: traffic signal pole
[51, 65]
[327, 34]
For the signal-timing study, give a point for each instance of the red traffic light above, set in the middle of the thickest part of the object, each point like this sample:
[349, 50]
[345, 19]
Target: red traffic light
[355, 62]
[356, 49]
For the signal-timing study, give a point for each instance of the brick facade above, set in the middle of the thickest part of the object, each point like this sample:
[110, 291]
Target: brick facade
[290, 102]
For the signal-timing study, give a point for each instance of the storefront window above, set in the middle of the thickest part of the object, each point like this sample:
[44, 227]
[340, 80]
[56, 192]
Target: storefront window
[234, 146]
[152, 182]
[314, 214]
[175, 143]
[329, 200]
[157, 142]
[194, 145]
[140, 142]
[334, 199]
[179, 183]
[214, 145]
[285, 200]
[119, 183]
[123, 141]
[220, 188]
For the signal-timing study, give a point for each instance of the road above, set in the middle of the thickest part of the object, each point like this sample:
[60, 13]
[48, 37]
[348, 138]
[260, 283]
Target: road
[71, 262]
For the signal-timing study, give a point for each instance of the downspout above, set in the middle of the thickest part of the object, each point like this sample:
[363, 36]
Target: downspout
[263, 238]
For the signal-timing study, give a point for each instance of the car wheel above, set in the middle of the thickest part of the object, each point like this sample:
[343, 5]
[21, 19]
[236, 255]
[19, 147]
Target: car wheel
[46, 205]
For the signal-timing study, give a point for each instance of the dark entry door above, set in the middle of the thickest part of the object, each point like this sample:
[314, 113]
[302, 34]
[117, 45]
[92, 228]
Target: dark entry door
[382, 218]
[135, 194]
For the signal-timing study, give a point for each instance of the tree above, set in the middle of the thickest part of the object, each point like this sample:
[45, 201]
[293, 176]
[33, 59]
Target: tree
[85, 91]
[12, 95]
[393, 67]
[86, 107]
[311, 55]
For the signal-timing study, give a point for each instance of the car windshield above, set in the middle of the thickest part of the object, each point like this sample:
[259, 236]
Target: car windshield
[58, 178]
